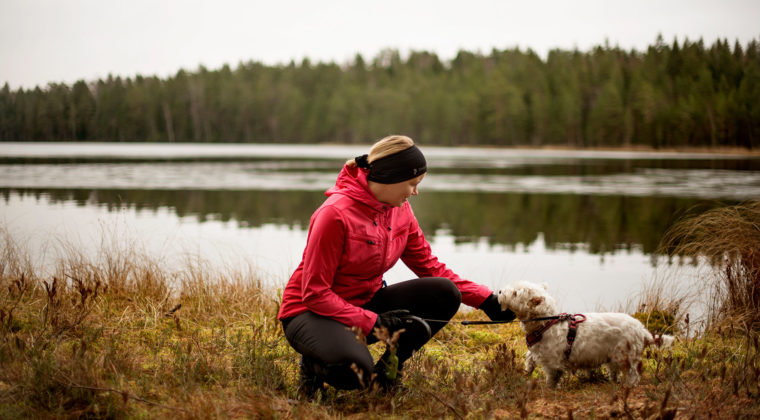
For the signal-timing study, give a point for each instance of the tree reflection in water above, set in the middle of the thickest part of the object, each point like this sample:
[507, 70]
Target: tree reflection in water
[597, 223]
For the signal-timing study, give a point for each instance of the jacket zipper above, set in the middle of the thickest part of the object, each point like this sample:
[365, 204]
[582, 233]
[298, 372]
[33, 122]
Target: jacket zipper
[386, 245]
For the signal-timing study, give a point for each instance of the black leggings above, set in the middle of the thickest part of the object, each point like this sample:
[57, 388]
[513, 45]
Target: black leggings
[334, 347]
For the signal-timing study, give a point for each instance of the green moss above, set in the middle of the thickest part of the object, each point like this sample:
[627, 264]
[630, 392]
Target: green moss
[483, 338]
[659, 322]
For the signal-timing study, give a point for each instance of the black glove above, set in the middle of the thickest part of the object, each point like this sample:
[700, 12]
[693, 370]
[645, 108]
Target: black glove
[392, 320]
[492, 308]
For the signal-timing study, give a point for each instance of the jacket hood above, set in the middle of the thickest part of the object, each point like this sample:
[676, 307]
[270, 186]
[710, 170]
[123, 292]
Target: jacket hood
[352, 182]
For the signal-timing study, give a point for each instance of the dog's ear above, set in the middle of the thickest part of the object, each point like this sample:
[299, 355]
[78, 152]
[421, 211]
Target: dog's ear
[536, 301]
[514, 293]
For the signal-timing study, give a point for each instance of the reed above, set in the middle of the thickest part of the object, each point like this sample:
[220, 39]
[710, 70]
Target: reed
[728, 239]
[122, 336]
[662, 306]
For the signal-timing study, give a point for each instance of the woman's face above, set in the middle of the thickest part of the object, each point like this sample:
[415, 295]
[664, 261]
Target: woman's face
[395, 194]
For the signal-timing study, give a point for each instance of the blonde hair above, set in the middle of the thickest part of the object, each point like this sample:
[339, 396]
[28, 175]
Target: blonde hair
[386, 147]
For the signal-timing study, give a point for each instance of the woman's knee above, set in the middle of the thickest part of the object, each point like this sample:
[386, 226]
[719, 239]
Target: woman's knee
[361, 360]
[447, 293]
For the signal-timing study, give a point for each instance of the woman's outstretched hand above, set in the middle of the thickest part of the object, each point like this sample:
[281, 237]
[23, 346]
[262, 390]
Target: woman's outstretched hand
[492, 308]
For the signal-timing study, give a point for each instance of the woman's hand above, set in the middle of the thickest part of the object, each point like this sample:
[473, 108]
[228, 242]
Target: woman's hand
[492, 308]
[392, 320]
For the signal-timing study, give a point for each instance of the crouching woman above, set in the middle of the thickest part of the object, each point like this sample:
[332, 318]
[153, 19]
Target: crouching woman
[362, 229]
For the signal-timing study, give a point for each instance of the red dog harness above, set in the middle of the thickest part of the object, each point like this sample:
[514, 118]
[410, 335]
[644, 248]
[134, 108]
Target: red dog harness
[576, 319]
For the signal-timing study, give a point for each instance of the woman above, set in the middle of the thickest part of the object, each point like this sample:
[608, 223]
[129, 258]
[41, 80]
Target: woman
[364, 226]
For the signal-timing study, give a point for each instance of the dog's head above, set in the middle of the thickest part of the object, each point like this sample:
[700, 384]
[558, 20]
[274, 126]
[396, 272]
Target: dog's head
[527, 300]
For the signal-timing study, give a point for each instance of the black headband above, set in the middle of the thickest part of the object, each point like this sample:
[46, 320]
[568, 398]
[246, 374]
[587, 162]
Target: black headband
[398, 167]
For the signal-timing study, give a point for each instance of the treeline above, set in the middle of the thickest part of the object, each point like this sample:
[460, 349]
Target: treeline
[672, 95]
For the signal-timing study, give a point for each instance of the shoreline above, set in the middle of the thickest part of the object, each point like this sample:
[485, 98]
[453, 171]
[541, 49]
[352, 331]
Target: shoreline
[701, 150]
[33, 150]
[729, 151]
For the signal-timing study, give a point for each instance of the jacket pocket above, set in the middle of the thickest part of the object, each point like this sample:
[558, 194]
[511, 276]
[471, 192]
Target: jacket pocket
[362, 256]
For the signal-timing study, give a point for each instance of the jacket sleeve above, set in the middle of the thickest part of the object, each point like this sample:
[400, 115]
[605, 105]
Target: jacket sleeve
[419, 258]
[324, 248]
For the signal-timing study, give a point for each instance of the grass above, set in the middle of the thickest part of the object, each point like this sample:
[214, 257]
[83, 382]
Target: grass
[122, 337]
[728, 238]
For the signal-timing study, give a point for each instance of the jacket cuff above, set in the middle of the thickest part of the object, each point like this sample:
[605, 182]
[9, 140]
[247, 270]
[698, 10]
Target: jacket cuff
[369, 323]
[476, 300]
[490, 303]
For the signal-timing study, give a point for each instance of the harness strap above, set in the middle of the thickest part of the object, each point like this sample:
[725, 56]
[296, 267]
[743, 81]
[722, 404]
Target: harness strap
[572, 331]
[536, 335]
[576, 319]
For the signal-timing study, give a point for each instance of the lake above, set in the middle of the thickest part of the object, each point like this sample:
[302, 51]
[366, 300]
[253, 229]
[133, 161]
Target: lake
[587, 223]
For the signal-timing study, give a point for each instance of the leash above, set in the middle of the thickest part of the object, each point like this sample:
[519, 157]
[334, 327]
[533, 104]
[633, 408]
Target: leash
[543, 318]
[535, 336]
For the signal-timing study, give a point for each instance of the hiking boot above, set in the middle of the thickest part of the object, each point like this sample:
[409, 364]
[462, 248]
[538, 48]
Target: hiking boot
[309, 382]
[383, 384]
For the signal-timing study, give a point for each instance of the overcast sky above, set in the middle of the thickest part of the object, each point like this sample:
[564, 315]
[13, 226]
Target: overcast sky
[43, 41]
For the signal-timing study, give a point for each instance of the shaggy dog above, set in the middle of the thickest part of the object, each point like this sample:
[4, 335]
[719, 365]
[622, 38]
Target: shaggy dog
[616, 340]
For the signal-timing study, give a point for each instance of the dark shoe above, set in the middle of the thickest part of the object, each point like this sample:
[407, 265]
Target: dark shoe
[387, 368]
[309, 382]
[385, 384]
[387, 373]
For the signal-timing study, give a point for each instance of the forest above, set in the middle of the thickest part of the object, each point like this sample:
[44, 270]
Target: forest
[673, 95]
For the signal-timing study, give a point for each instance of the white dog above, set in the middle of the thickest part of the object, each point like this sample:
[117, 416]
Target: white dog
[616, 340]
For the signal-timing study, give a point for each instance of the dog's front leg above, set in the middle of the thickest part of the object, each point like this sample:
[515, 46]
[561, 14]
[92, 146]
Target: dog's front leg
[632, 375]
[552, 376]
[530, 363]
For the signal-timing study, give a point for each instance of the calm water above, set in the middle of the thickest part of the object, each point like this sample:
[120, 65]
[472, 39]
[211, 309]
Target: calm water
[586, 223]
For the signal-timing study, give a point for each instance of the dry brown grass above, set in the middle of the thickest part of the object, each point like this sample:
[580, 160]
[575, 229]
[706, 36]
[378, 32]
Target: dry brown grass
[728, 239]
[123, 337]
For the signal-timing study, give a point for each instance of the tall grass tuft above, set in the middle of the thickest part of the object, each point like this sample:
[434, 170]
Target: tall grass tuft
[727, 238]
[661, 306]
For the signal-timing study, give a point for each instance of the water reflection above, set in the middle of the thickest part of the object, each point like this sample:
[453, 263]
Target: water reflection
[706, 179]
[598, 223]
[492, 239]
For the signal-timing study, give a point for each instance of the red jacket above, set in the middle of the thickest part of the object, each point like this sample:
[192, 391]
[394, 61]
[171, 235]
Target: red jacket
[353, 240]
